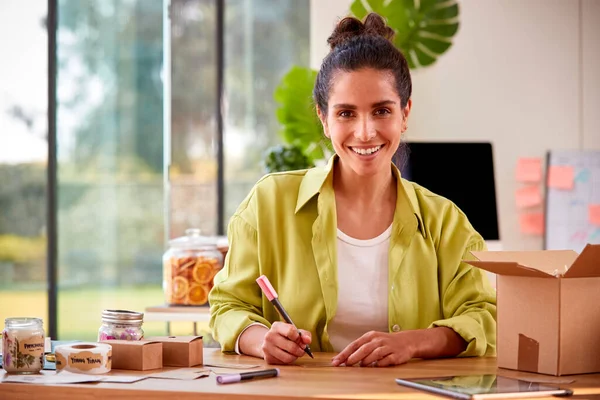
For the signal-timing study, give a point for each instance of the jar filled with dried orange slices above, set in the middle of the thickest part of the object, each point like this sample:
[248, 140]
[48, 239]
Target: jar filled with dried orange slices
[189, 267]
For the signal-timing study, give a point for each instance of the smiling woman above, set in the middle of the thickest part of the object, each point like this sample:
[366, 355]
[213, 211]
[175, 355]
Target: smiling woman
[370, 264]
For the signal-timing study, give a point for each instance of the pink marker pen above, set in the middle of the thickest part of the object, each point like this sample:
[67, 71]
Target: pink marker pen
[271, 294]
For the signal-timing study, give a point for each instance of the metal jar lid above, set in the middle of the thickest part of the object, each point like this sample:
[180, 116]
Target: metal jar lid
[122, 317]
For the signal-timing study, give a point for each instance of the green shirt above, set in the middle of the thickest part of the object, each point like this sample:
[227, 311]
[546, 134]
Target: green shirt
[286, 229]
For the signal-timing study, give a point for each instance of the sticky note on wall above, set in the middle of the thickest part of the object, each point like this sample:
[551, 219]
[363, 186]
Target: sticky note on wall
[529, 196]
[529, 170]
[561, 177]
[594, 214]
[532, 223]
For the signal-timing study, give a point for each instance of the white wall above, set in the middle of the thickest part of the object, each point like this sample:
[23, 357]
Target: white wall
[524, 75]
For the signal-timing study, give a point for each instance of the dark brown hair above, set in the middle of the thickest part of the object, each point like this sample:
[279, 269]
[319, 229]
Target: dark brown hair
[356, 45]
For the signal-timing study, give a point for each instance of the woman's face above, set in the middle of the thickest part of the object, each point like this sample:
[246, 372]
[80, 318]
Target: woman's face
[365, 120]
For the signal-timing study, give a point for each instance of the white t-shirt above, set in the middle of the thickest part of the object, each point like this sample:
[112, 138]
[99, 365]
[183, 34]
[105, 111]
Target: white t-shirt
[362, 304]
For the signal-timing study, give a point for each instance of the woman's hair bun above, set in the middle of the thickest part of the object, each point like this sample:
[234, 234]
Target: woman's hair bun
[349, 27]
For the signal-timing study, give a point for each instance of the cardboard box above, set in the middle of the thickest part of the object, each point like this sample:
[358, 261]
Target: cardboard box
[548, 309]
[139, 355]
[180, 351]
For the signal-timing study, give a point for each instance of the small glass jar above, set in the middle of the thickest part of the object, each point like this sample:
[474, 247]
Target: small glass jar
[23, 345]
[189, 266]
[121, 325]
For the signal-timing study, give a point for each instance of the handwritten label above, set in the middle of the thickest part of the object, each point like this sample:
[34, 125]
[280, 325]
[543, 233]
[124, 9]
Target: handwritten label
[85, 360]
[33, 345]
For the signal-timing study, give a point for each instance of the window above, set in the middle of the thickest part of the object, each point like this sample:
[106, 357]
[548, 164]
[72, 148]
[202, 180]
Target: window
[137, 141]
[23, 159]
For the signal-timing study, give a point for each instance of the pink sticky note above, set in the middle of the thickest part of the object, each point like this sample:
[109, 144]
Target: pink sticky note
[532, 223]
[528, 196]
[561, 177]
[529, 170]
[594, 214]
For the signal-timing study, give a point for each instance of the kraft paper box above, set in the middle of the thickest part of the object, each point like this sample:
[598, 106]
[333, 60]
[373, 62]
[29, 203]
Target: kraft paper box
[139, 355]
[548, 309]
[180, 351]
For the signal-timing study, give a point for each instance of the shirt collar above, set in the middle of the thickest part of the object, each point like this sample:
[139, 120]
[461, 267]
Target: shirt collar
[316, 178]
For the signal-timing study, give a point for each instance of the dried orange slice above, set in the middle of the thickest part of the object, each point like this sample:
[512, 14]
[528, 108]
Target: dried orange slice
[197, 295]
[203, 272]
[180, 287]
[186, 263]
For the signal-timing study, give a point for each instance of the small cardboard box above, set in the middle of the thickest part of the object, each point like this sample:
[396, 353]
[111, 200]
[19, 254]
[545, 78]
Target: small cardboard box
[548, 309]
[180, 351]
[139, 355]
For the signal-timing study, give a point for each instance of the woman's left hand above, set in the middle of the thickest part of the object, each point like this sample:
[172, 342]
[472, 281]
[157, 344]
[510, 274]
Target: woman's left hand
[378, 349]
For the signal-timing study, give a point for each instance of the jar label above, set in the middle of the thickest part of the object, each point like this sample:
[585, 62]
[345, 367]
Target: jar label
[23, 354]
[33, 345]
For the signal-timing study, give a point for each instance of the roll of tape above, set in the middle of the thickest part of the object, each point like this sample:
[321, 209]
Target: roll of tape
[84, 358]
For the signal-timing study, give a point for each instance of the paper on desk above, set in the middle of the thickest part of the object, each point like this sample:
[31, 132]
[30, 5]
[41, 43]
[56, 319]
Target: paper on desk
[182, 373]
[529, 170]
[52, 378]
[122, 378]
[528, 196]
[232, 366]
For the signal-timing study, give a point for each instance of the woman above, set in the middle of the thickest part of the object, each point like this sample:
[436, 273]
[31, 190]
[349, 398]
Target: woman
[369, 264]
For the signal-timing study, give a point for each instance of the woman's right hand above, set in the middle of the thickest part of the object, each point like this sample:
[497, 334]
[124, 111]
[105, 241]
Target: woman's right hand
[283, 344]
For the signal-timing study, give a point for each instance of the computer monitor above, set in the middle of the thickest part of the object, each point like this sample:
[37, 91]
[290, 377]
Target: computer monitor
[461, 172]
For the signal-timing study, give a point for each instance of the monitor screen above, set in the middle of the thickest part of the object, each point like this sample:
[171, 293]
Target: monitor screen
[461, 172]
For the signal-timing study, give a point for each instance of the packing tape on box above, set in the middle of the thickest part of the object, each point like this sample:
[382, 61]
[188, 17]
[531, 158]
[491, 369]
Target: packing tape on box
[84, 358]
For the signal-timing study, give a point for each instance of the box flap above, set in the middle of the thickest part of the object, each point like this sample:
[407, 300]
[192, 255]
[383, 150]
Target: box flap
[508, 268]
[587, 265]
[130, 342]
[546, 262]
[175, 339]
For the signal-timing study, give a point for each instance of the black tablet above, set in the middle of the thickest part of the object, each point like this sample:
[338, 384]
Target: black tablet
[483, 387]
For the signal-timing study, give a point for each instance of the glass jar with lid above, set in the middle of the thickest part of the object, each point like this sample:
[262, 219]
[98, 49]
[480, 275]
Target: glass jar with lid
[121, 325]
[23, 345]
[189, 266]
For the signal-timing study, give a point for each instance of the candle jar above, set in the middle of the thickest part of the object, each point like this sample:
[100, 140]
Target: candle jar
[121, 325]
[23, 345]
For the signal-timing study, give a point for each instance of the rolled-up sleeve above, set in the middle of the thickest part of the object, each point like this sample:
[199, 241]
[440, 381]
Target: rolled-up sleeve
[468, 302]
[235, 300]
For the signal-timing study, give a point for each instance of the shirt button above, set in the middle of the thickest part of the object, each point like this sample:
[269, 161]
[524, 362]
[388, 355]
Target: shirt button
[396, 328]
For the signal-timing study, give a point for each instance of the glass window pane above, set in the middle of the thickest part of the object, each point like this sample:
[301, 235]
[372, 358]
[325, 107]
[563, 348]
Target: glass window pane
[23, 159]
[110, 161]
[263, 40]
[193, 171]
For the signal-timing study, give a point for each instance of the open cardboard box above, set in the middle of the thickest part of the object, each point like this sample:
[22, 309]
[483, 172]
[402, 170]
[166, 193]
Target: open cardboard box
[548, 309]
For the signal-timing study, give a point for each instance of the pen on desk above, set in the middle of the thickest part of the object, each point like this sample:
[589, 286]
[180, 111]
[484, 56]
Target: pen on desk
[271, 294]
[232, 378]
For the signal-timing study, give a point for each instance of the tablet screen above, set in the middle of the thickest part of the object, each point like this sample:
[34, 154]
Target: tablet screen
[470, 385]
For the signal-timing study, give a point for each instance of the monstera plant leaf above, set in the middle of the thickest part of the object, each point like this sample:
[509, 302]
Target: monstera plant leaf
[297, 114]
[424, 28]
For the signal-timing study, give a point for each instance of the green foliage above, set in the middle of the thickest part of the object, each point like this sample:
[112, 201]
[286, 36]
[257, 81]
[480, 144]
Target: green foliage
[424, 29]
[22, 249]
[23, 199]
[286, 158]
[297, 115]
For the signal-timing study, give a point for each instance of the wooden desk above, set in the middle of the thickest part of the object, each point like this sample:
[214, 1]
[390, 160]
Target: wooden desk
[295, 382]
